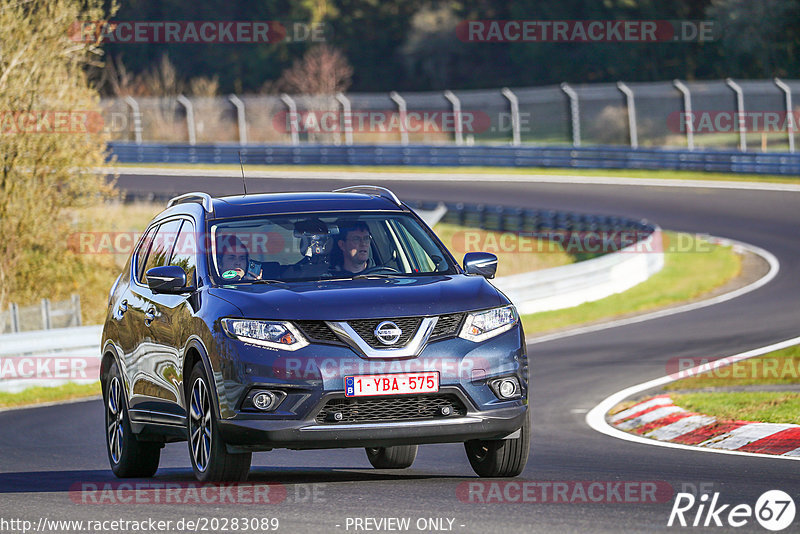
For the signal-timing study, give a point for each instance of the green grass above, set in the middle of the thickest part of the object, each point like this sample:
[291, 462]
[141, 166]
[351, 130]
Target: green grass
[685, 276]
[516, 254]
[761, 406]
[622, 173]
[38, 395]
[779, 367]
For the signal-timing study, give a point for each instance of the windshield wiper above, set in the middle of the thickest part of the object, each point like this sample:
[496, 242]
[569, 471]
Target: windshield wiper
[265, 281]
[379, 275]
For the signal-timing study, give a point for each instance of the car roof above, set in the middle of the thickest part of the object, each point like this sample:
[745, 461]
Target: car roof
[276, 203]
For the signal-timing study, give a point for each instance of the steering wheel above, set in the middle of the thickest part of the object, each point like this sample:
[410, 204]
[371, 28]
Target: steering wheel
[380, 268]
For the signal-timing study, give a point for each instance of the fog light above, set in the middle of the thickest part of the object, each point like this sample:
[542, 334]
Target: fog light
[265, 400]
[507, 388]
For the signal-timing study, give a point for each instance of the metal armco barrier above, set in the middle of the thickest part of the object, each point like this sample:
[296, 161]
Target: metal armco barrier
[445, 155]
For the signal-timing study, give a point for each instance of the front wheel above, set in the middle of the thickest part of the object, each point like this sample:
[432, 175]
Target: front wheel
[397, 457]
[500, 457]
[211, 460]
[128, 456]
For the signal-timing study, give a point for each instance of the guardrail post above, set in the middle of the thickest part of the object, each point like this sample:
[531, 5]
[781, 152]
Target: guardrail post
[790, 125]
[634, 135]
[13, 310]
[293, 118]
[459, 127]
[137, 118]
[574, 112]
[240, 118]
[190, 125]
[76, 309]
[403, 111]
[514, 102]
[347, 119]
[687, 112]
[46, 323]
[740, 111]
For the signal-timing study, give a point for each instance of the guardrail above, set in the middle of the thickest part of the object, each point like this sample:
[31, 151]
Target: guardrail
[596, 157]
[72, 354]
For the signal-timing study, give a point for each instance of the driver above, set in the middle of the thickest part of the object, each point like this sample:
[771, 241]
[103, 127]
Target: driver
[233, 259]
[353, 242]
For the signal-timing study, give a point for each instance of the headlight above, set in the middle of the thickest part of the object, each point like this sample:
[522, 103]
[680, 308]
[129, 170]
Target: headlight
[274, 334]
[483, 325]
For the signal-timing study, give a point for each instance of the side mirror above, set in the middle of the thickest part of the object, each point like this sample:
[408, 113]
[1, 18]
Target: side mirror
[170, 279]
[482, 263]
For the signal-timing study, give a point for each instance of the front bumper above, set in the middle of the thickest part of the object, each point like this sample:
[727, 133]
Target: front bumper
[258, 435]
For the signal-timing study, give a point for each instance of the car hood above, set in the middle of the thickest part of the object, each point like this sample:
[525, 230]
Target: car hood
[363, 298]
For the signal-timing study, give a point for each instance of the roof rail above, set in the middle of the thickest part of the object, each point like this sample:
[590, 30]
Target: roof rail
[371, 190]
[203, 198]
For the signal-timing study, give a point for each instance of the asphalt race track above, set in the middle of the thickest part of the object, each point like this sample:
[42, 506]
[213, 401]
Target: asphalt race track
[45, 451]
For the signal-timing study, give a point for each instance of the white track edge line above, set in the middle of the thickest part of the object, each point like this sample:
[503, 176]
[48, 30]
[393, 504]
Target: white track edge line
[596, 417]
[774, 268]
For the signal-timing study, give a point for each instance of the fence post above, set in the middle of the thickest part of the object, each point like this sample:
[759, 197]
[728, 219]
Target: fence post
[137, 118]
[13, 310]
[740, 110]
[514, 102]
[240, 118]
[46, 314]
[347, 120]
[459, 127]
[574, 111]
[190, 125]
[790, 126]
[687, 112]
[76, 309]
[401, 108]
[293, 118]
[634, 135]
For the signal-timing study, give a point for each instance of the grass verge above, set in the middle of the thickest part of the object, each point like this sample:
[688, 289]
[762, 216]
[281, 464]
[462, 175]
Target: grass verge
[39, 395]
[549, 171]
[761, 406]
[685, 276]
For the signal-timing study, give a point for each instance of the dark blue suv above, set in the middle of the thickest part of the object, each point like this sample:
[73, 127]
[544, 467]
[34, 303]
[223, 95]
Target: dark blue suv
[308, 321]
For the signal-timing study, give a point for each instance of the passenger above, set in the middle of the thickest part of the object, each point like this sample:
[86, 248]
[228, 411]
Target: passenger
[352, 247]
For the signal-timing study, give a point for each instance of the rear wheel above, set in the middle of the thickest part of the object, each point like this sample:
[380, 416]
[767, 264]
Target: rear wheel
[211, 460]
[398, 457]
[128, 456]
[501, 457]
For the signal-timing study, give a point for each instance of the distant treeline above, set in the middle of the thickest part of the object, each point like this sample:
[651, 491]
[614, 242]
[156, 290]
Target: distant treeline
[428, 45]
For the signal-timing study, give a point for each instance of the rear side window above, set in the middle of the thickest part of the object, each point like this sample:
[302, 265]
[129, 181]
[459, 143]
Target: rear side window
[184, 253]
[162, 245]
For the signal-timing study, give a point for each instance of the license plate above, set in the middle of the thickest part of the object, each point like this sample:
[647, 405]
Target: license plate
[391, 384]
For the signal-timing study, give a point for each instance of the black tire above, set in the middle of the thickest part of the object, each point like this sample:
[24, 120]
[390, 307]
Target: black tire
[501, 457]
[211, 460]
[128, 456]
[398, 457]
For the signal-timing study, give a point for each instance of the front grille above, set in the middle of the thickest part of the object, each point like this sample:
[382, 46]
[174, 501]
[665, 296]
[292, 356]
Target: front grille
[366, 329]
[318, 332]
[447, 326]
[388, 409]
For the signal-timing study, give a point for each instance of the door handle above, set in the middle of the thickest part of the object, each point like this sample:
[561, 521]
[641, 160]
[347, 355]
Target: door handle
[149, 317]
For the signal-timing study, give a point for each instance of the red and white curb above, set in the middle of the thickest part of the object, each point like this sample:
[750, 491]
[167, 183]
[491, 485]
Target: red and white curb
[657, 421]
[658, 418]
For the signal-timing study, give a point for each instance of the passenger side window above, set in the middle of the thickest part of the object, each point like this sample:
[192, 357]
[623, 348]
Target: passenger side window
[161, 248]
[185, 251]
[141, 253]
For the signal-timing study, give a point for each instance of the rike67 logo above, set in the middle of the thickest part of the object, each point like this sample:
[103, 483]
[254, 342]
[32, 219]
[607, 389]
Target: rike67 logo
[774, 510]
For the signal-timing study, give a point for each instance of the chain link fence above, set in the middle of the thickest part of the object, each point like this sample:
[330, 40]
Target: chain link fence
[753, 115]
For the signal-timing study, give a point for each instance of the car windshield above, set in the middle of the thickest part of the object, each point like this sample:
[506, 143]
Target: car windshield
[321, 246]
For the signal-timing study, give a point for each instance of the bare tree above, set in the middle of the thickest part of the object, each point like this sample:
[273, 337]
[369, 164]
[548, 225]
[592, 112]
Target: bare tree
[324, 70]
